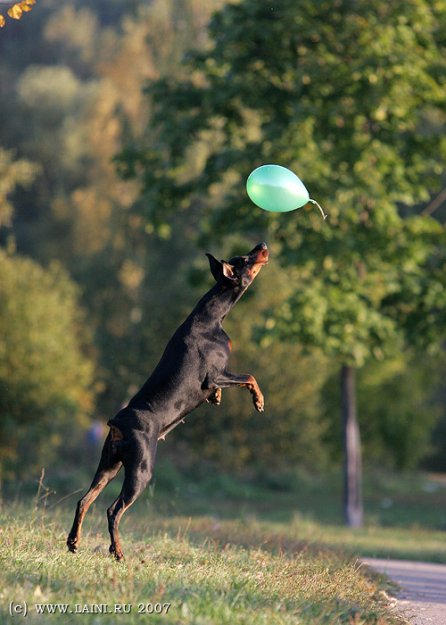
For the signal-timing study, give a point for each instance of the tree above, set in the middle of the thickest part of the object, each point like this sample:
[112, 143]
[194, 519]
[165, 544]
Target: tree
[351, 97]
[73, 97]
[45, 376]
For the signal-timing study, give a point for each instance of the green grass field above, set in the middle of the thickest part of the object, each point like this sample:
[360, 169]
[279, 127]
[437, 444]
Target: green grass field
[191, 570]
[216, 551]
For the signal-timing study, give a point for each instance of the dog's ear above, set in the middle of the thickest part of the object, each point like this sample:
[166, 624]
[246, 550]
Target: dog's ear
[228, 271]
[220, 269]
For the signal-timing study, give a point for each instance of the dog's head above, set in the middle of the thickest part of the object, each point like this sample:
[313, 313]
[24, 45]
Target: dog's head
[240, 271]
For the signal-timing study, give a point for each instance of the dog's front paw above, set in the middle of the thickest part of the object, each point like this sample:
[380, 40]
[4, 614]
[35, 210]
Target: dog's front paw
[259, 402]
[215, 398]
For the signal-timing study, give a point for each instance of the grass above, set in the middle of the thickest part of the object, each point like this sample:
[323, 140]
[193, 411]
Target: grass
[206, 571]
[213, 550]
[405, 514]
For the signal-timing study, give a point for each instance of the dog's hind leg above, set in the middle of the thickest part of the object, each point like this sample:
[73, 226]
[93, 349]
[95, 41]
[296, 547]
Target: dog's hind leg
[108, 467]
[138, 456]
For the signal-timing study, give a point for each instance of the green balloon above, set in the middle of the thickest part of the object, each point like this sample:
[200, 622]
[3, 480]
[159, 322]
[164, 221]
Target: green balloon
[276, 188]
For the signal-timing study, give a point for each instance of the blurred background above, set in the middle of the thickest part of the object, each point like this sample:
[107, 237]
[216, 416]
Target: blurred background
[127, 132]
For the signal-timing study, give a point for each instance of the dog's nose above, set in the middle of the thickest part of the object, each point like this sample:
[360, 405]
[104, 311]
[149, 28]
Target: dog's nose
[261, 247]
[261, 251]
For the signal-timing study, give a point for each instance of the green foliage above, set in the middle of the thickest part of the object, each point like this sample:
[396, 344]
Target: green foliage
[12, 173]
[361, 295]
[397, 415]
[341, 95]
[337, 92]
[45, 379]
[397, 411]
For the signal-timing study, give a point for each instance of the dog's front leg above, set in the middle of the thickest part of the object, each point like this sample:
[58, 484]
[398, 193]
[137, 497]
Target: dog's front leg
[227, 379]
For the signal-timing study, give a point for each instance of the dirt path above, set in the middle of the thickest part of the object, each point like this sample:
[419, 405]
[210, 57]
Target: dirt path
[422, 595]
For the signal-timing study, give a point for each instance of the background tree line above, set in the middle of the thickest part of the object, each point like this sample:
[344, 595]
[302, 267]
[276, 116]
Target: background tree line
[129, 253]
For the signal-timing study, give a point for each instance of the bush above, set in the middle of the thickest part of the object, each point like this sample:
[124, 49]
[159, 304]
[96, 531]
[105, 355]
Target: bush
[45, 376]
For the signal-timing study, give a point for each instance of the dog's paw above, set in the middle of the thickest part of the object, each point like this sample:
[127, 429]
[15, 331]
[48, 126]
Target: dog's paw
[215, 398]
[72, 544]
[116, 552]
[259, 402]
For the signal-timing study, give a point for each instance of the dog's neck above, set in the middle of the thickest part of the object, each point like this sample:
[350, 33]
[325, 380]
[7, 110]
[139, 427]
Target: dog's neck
[217, 302]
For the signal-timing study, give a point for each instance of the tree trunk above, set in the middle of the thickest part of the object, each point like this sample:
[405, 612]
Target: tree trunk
[353, 510]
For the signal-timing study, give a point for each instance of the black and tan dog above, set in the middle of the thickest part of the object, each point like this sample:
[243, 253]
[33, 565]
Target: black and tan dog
[192, 370]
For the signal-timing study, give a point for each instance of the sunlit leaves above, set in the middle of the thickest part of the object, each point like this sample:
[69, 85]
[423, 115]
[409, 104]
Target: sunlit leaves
[17, 10]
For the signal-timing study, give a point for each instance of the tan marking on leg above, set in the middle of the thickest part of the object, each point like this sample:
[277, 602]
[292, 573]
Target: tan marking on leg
[87, 500]
[115, 547]
[257, 395]
[215, 397]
